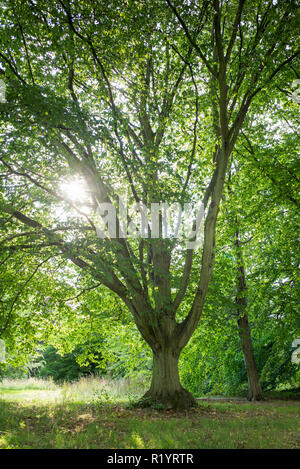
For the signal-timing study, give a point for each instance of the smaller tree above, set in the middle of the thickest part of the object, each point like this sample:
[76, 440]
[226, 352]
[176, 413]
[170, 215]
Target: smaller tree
[70, 366]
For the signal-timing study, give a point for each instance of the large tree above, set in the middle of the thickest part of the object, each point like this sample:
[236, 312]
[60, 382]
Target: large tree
[144, 97]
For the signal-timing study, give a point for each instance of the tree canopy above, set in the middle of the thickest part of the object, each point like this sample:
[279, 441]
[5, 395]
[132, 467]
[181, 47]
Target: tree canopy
[153, 102]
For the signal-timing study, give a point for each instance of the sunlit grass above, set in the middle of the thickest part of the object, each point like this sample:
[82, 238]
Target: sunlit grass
[89, 389]
[27, 383]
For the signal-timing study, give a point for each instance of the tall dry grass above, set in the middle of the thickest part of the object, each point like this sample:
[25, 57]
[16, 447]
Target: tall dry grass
[104, 388]
[86, 389]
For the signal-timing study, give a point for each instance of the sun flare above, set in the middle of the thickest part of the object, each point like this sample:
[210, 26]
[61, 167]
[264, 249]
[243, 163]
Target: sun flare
[75, 190]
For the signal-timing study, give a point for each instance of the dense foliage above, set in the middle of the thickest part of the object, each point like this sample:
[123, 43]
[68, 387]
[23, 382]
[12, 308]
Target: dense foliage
[162, 102]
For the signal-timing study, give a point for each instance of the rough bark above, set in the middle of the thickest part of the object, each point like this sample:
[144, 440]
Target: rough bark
[166, 390]
[254, 388]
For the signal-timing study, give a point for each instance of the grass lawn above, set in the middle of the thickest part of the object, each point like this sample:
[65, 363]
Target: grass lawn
[41, 416]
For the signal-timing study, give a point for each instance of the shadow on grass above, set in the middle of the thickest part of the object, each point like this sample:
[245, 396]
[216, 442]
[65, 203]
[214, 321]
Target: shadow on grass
[97, 425]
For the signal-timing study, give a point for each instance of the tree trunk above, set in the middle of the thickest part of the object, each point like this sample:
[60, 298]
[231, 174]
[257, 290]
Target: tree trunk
[254, 388]
[166, 390]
